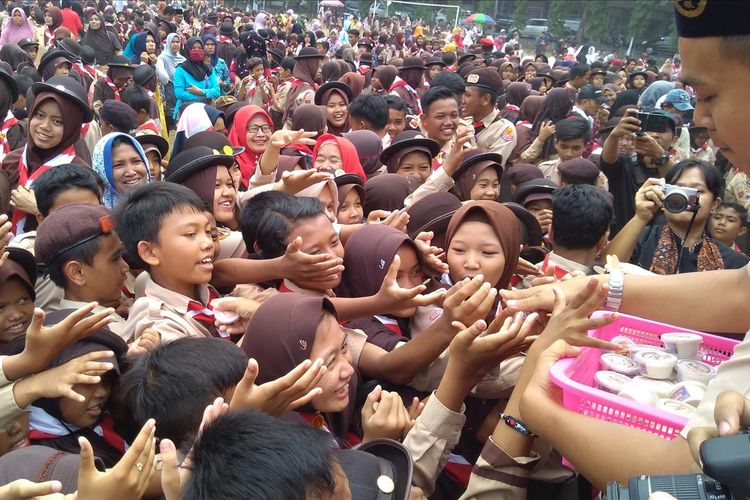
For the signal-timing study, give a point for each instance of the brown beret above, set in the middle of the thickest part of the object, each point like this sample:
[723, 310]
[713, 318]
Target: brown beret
[68, 227]
[486, 78]
[579, 171]
[119, 115]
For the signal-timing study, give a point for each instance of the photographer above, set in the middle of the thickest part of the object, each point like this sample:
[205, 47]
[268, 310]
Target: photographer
[627, 173]
[714, 41]
[661, 248]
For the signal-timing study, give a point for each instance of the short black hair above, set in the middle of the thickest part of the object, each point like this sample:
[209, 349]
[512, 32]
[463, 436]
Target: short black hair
[287, 63]
[353, 31]
[485, 91]
[136, 97]
[190, 373]
[579, 70]
[453, 81]
[583, 214]
[56, 181]
[449, 58]
[736, 47]
[741, 211]
[611, 78]
[573, 128]
[435, 94]
[266, 219]
[714, 179]
[141, 212]
[323, 43]
[370, 107]
[395, 102]
[247, 454]
[253, 62]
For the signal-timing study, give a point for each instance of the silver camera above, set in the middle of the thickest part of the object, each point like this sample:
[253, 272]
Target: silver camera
[680, 199]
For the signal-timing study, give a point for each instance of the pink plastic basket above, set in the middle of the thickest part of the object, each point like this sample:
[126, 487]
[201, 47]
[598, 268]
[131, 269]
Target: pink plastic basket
[576, 376]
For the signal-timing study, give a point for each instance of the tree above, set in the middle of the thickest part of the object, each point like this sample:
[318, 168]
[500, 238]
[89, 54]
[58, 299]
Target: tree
[520, 13]
[556, 17]
[596, 20]
[640, 17]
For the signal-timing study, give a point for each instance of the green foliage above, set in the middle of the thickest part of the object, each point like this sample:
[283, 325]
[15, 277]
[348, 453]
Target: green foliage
[640, 17]
[520, 13]
[596, 19]
[556, 17]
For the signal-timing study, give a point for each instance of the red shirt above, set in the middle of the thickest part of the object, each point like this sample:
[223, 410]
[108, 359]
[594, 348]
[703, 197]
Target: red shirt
[71, 21]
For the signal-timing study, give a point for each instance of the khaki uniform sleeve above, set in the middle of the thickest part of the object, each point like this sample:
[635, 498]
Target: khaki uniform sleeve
[532, 152]
[437, 182]
[431, 440]
[499, 476]
[9, 410]
[505, 141]
[732, 374]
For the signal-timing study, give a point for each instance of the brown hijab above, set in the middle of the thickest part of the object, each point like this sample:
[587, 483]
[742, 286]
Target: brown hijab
[330, 71]
[386, 74]
[432, 213]
[368, 254]
[505, 225]
[355, 81]
[305, 70]
[388, 192]
[73, 115]
[530, 108]
[202, 183]
[466, 177]
[369, 146]
[324, 101]
[395, 159]
[281, 336]
[309, 117]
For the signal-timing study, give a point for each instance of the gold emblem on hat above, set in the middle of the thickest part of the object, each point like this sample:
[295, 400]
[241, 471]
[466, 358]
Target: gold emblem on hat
[690, 8]
[474, 78]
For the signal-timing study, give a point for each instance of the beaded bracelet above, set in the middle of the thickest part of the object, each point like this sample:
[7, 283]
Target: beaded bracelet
[517, 425]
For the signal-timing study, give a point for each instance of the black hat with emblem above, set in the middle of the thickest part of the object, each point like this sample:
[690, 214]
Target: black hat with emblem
[705, 18]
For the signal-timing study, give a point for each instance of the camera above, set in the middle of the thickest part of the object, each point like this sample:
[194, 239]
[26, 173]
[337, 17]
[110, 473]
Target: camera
[726, 462]
[680, 199]
[653, 122]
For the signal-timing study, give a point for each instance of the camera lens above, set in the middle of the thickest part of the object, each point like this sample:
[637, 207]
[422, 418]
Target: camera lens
[694, 486]
[675, 202]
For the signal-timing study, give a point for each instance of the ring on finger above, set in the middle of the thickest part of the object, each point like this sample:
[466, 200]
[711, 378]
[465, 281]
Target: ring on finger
[139, 466]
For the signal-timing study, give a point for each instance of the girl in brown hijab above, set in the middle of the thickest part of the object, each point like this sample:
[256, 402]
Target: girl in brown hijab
[309, 117]
[306, 66]
[369, 146]
[388, 192]
[55, 119]
[526, 115]
[483, 238]
[343, 66]
[514, 97]
[382, 78]
[407, 84]
[336, 103]
[478, 177]
[289, 328]
[330, 71]
[355, 81]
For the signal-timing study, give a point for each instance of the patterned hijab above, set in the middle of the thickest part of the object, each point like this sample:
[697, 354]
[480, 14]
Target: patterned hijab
[101, 163]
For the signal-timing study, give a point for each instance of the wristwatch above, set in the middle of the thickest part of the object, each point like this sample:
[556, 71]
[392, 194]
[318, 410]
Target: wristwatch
[614, 295]
[662, 160]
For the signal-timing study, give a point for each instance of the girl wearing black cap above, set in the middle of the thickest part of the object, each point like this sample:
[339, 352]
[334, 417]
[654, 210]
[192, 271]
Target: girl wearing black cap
[55, 121]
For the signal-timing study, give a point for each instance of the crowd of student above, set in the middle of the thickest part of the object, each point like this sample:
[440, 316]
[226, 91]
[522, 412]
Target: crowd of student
[213, 216]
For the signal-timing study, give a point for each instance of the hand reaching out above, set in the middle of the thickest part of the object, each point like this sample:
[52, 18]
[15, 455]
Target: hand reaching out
[295, 389]
[294, 182]
[393, 297]
[300, 266]
[384, 416]
[281, 138]
[431, 254]
[148, 341]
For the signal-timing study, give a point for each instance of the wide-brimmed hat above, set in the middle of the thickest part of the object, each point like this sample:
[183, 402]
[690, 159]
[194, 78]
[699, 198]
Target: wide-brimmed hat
[53, 54]
[12, 85]
[143, 74]
[345, 179]
[378, 469]
[333, 85]
[193, 160]
[413, 63]
[213, 140]
[538, 189]
[435, 61]
[27, 42]
[531, 231]
[308, 53]
[474, 157]
[409, 139]
[69, 89]
[150, 138]
[120, 62]
[226, 29]
[466, 58]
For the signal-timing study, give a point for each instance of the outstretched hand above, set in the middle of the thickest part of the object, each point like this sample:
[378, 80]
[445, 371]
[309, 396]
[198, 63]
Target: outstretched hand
[300, 266]
[393, 297]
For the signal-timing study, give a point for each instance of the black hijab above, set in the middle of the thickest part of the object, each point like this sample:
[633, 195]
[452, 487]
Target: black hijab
[198, 70]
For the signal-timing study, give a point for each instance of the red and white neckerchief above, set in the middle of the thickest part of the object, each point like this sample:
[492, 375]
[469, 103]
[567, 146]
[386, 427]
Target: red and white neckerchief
[204, 313]
[512, 107]
[296, 82]
[26, 180]
[398, 82]
[524, 123]
[42, 425]
[114, 88]
[559, 271]
[88, 70]
[85, 129]
[8, 122]
[364, 69]
[49, 38]
[225, 39]
[390, 324]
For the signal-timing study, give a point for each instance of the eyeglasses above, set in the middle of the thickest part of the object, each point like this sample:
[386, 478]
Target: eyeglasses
[254, 129]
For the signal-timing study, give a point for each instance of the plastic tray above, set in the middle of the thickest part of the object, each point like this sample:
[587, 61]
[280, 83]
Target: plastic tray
[575, 376]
